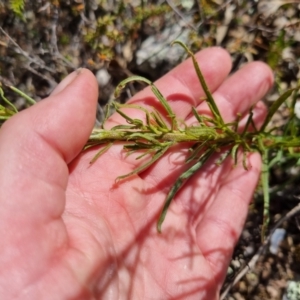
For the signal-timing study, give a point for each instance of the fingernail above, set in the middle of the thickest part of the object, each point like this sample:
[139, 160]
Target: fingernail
[66, 81]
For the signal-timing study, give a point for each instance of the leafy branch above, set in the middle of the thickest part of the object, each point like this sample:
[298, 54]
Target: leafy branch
[159, 131]
[210, 135]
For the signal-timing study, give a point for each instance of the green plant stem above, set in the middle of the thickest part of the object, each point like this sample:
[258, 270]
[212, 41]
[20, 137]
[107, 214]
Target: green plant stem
[103, 135]
[26, 97]
[100, 136]
[266, 193]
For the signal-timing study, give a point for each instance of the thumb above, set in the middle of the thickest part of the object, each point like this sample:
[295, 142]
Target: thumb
[64, 120]
[37, 144]
[35, 147]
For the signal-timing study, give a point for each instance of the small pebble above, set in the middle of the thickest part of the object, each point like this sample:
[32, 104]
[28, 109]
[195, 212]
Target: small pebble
[103, 77]
[276, 239]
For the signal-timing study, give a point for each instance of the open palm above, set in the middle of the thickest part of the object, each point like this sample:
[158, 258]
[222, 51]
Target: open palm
[69, 231]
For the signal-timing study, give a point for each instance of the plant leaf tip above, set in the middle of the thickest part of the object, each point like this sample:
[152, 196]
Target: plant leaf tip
[158, 227]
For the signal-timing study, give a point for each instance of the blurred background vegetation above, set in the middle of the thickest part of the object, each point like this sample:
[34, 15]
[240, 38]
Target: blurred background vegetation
[42, 41]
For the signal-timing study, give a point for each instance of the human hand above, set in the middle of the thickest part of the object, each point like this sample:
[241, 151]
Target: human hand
[68, 231]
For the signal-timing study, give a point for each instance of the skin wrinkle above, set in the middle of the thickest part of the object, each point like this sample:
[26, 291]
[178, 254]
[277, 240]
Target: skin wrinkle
[131, 222]
[52, 143]
[48, 210]
[180, 80]
[86, 215]
[159, 283]
[45, 123]
[227, 104]
[74, 250]
[55, 152]
[29, 155]
[222, 225]
[122, 207]
[41, 275]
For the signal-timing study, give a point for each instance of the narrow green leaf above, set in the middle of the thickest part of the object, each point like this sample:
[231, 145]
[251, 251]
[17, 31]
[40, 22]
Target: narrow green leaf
[245, 159]
[277, 158]
[7, 101]
[197, 116]
[144, 137]
[209, 98]
[155, 91]
[137, 122]
[123, 83]
[138, 170]
[123, 127]
[275, 106]
[180, 182]
[166, 105]
[248, 123]
[145, 153]
[159, 120]
[196, 151]
[20, 93]
[106, 115]
[223, 157]
[100, 152]
[266, 193]
[234, 153]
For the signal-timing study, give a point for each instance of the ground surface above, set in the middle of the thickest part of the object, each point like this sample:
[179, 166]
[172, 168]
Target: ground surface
[115, 39]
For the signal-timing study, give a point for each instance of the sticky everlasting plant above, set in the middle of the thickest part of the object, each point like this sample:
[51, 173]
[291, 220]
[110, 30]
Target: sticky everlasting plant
[158, 132]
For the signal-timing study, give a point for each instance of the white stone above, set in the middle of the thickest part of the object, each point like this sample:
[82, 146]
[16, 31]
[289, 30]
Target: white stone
[103, 77]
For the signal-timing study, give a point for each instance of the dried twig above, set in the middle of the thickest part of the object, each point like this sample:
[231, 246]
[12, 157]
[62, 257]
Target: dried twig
[19, 50]
[52, 82]
[261, 250]
[174, 8]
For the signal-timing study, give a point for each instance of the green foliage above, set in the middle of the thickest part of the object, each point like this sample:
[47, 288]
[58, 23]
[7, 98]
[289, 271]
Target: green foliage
[17, 6]
[145, 12]
[108, 32]
[209, 7]
[8, 109]
[211, 135]
[275, 54]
